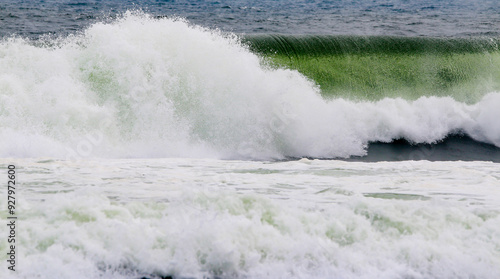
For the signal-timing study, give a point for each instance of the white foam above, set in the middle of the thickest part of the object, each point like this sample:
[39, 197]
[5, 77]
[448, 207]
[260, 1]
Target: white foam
[194, 218]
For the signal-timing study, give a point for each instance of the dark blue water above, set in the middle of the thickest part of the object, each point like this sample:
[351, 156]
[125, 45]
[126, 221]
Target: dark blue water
[32, 18]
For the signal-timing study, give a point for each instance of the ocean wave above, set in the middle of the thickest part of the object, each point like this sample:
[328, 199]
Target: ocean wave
[145, 87]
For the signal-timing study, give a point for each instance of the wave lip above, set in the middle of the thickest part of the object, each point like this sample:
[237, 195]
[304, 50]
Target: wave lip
[298, 45]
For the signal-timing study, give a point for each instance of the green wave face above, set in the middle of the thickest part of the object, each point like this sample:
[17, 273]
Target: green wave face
[372, 68]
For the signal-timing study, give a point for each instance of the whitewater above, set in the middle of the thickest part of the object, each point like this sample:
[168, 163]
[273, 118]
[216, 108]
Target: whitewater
[154, 148]
[207, 218]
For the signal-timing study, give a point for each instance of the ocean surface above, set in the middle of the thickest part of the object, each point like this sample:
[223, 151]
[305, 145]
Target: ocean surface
[251, 139]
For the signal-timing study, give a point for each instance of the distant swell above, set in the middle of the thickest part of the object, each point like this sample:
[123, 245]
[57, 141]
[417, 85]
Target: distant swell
[144, 87]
